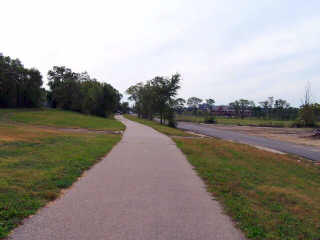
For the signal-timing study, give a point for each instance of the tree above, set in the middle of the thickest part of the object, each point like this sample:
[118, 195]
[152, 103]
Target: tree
[19, 86]
[241, 106]
[316, 107]
[210, 101]
[135, 94]
[275, 109]
[124, 107]
[281, 104]
[33, 95]
[79, 92]
[194, 102]
[179, 104]
[236, 106]
[65, 87]
[307, 95]
[164, 90]
[307, 110]
[281, 109]
[267, 105]
[156, 96]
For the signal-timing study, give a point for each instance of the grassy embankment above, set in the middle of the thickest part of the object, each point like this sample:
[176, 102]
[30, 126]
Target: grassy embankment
[37, 162]
[59, 118]
[238, 121]
[270, 196]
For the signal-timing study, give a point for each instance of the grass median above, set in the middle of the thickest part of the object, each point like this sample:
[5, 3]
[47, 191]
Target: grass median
[270, 196]
[37, 163]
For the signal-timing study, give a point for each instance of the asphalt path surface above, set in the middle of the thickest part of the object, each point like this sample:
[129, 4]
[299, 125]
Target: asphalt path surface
[311, 153]
[144, 189]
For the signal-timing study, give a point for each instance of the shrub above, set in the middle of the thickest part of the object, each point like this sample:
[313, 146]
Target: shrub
[307, 117]
[210, 119]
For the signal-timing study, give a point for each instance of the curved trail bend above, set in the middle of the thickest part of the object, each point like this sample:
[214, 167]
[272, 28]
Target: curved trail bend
[143, 189]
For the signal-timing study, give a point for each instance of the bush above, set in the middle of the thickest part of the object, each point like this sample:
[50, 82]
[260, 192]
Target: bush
[299, 123]
[20, 87]
[307, 117]
[210, 119]
[80, 93]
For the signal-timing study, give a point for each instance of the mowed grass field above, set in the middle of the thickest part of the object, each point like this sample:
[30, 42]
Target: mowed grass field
[59, 118]
[36, 163]
[238, 121]
[270, 196]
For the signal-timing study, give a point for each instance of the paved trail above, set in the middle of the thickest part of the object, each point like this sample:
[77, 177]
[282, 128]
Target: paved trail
[143, 190]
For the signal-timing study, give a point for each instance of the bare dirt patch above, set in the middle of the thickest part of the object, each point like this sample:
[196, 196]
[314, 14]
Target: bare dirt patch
[81, 130]
[11, 132]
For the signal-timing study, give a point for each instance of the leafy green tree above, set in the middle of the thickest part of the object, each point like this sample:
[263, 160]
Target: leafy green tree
[194, 102]
[156, 96]
[240, 106]
[164, 90]
[307, 112]
[124, 107]
[79, 92]
[19, 86]
[65, 88]
[281, 109]
[267, 105]
[179, 104]
[210, 102]
[307, 117]
[134, 93]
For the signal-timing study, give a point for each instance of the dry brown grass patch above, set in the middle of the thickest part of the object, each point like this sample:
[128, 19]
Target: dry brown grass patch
[14, 133]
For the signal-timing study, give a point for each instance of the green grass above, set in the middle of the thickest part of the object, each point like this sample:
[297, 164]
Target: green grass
[36, 163]
[157, 126]
[270, 196]
[238, 121]
[59, 118]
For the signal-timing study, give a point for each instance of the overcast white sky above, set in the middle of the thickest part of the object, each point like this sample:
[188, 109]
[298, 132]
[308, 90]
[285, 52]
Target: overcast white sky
[224, 49]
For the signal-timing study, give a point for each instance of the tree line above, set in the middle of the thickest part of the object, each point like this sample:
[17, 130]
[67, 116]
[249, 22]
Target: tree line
[81, 93]
[22, 87]
[157, 97]
[278, 109]
[19, 86]
[306, 115]
[274, 109]
[270, 109]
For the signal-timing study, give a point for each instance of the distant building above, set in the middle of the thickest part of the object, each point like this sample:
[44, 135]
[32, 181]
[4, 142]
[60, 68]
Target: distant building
[225, 110]
[204, 107]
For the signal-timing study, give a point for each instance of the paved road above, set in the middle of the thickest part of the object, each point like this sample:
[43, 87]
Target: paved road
[143, 190]
[311, 153]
